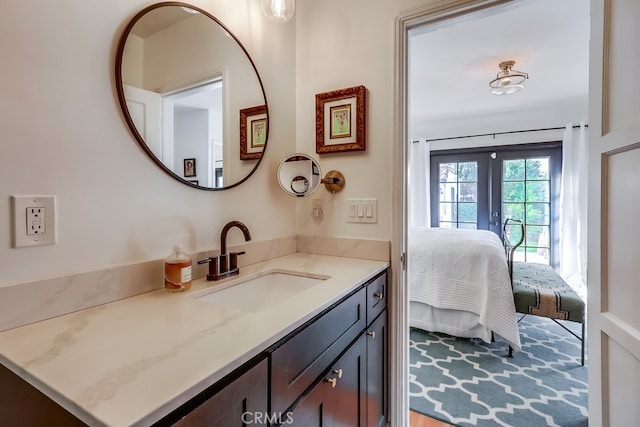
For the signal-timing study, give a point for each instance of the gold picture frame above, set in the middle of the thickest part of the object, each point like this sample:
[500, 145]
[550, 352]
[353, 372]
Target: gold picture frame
[253, 132]
[341, 120]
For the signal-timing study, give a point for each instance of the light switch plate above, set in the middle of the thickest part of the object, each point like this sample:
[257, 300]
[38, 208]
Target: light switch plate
[362, 211]
[34, 220]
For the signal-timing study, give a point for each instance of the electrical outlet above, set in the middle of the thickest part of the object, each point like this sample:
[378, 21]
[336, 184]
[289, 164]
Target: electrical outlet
[34, 220]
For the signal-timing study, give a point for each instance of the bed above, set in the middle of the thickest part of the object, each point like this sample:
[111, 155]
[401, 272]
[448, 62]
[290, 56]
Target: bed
[459, 284]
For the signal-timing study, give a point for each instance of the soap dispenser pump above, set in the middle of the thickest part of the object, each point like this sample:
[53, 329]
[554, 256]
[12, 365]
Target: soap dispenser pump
[177, 271]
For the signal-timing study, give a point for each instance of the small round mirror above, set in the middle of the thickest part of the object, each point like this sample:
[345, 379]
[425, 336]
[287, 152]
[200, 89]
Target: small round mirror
[299, 175]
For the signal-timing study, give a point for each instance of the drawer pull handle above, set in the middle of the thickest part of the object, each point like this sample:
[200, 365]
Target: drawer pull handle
[338, 372]
[333, 381]
[372, 334]
[379, 295]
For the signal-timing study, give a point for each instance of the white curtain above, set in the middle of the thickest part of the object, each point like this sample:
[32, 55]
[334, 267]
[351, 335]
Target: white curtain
[419, 172]
[573, 208]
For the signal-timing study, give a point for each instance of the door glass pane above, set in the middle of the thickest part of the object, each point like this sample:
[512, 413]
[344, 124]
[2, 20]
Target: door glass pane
[513, 170]
[537, 235]
[513, 211]
[468, 192]
[467, 212]
[526, 196]
[468, 171]
[537, 191]
[468, 225]
[538, 168]
[448, 192]
[458, 198]
[513, 191]
[448, 212]
[447, 172]
[537, 214]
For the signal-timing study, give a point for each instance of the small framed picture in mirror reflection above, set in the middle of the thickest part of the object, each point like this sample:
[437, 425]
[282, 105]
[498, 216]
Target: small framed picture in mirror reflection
[253, 132]
[189, 167]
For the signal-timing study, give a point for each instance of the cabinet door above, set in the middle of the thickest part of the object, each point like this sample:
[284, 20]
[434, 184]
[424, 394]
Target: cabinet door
[377, 365]
[339, 400]
[243, 402]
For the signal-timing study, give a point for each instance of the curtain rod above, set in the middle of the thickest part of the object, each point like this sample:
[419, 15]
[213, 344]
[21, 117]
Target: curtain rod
[497, 133]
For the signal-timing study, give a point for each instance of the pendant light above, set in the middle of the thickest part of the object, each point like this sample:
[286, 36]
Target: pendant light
[508, 81]
[278, 10]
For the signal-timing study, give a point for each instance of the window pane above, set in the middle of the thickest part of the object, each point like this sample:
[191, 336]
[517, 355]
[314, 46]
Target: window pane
[469, 192]
[468, 171]
[538, 168]
[537, 214]
[513, 191]
[448, 172]
[447, 225]
[513, 211]
[513, 170]
[537, 191]
[467, 212]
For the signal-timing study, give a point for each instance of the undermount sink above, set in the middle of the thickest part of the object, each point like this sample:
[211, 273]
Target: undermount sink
[258, 293]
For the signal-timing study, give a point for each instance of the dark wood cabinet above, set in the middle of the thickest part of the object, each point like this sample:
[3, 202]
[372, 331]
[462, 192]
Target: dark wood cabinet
[353, 390]
[299, 360]
[243, 402]
[339, 399]
[377, 394]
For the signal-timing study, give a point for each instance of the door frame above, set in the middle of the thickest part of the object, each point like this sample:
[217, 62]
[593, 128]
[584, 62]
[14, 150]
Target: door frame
[432, 13]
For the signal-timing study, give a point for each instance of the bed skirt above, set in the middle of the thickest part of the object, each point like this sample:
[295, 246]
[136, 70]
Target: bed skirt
[452, 322]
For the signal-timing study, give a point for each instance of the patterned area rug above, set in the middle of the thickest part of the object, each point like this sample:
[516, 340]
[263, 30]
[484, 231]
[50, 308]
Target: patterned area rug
[471, 383]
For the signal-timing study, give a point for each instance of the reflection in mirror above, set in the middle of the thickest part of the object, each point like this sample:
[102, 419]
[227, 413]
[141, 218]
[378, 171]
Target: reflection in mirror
[183, 82]
[299, 175]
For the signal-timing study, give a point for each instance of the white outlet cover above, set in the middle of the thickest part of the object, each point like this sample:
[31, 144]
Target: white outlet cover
[19, 205]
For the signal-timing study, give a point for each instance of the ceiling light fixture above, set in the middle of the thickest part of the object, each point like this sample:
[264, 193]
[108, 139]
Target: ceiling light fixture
[508, 81]
[278, 10]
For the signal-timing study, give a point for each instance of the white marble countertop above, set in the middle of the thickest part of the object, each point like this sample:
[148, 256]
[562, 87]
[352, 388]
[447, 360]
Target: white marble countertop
[133, 361]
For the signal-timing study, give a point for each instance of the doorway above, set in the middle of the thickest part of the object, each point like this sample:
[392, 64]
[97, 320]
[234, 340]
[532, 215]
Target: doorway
[461, 122]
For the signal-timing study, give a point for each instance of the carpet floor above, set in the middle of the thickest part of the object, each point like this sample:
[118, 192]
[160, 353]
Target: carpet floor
[467, 382]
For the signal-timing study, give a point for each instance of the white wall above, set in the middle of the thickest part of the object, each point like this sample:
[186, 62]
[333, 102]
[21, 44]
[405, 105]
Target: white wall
[61, 133]
[342, 44]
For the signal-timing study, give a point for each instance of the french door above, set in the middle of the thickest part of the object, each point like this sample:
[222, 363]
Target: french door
[481, 189]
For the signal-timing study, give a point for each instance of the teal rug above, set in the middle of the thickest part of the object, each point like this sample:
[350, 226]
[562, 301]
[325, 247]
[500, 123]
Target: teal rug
[471, 383]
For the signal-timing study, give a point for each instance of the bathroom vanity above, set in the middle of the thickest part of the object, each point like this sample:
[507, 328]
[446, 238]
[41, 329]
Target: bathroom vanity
[176, 359]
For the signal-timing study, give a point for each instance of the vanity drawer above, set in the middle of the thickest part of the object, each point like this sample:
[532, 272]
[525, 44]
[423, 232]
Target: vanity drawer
[301, 359]
[376, 297]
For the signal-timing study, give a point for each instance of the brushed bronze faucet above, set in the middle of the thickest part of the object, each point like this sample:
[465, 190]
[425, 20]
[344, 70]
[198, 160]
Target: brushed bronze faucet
[226, 265]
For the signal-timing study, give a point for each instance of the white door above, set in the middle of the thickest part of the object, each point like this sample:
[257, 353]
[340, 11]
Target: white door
[145, 108]
[614, 210]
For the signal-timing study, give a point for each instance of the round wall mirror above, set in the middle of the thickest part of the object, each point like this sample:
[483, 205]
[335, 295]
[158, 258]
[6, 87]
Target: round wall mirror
[299, 175]
[192, 96]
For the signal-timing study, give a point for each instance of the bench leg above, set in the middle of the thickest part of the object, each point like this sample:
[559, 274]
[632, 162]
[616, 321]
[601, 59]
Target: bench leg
[510, 351]
[582, 345]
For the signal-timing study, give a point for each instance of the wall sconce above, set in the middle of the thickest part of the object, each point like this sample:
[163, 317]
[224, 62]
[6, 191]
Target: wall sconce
[299, 176]
[278, 10]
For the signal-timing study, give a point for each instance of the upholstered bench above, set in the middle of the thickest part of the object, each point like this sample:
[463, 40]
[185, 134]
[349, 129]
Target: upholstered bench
[540, 291]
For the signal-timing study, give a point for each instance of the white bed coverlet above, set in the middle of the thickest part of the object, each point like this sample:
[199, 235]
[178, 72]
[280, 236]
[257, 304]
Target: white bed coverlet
[464, 270]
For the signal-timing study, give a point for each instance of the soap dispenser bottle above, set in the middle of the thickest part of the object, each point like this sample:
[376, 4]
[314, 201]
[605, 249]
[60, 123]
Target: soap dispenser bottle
[177, 271]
